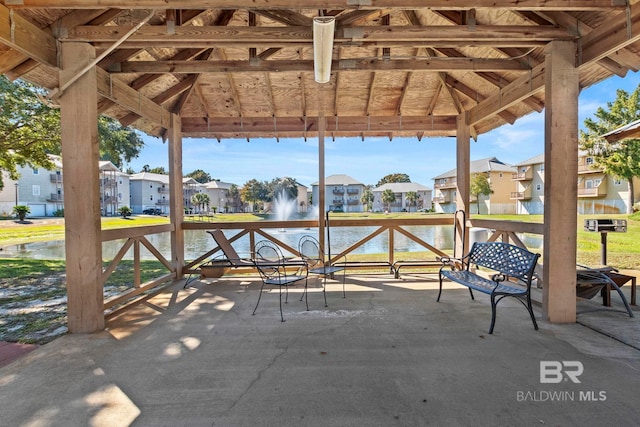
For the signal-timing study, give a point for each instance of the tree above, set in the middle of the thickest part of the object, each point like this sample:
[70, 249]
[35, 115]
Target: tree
[29, 129]
[125, 211]
[233, 195]
[620, 159]
[201, 200]
[479, 185]
[286, 184]
[252, 192]
[118, 144]
[367, 198]
[412, 197]
[393, 177]
[159, 170]
[388, 197]
[199, 175]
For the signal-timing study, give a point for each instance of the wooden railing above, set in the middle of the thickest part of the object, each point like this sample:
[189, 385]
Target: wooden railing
[135, 237]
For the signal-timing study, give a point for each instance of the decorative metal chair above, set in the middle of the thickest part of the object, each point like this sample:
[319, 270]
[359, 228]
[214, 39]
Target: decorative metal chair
[310, 251]
[272, 266]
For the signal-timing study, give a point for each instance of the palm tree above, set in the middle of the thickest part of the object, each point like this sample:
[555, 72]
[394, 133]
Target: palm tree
[201, 200]
[388, 197]
[412, 197]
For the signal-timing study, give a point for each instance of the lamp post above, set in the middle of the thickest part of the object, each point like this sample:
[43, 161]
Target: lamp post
[16, 185]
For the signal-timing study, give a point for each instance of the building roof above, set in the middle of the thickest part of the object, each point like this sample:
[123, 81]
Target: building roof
[631, 130]
[489, 164]
[148, 176]
[401, 187]
[486, 58]
[339, 179]
[217, 184]
[106, 165]
[532, 161]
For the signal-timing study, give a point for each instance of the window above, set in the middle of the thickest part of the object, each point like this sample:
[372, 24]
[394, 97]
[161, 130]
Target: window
[617, 182]
[151, 198]
[150, 185]
[542, 167]
[589, 160]
[538, 187]
[596, 182]
[500, 175]
[588, 184]
[35, 171]
[523, 169]
[35, 190]
[119, 196]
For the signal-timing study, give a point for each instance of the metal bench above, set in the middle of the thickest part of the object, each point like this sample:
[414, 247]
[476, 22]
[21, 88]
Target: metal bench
[513, 266]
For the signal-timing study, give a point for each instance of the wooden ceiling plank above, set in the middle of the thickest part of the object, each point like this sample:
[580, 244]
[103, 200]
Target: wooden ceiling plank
[286, 17]
[344, 65]
[359, 17]
[610, 38]
[323, 4]
[20, 34]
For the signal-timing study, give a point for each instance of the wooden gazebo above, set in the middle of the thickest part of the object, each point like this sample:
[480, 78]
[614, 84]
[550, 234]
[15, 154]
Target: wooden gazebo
[221, 69]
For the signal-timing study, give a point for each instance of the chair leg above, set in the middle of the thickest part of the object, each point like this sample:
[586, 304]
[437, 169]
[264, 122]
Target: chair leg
[259, 296]
[281, 316]
[493, 313]
[471, 293]
[440, 291]
[530, 308]
[324, 289]
[306, 294]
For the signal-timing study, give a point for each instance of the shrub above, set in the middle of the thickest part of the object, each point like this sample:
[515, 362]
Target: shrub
[125, 211]
[21, 211]
[59, 213]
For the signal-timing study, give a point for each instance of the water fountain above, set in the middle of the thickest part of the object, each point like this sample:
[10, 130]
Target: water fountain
[283, 207]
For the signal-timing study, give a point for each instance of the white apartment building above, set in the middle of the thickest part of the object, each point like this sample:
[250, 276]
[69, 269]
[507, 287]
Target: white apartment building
[342, 194]
[400, 190]
[151, 191]
[42, 190]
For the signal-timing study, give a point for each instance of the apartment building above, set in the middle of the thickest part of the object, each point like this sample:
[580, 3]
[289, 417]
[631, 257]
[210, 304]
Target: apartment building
[599, 193]
[151, 191]
[218, 193]
[42, 190]
[529, 181]
[400, 190]
[499, 175]
[342, 194]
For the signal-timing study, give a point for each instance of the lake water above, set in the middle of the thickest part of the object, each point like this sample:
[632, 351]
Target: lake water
[198, 242]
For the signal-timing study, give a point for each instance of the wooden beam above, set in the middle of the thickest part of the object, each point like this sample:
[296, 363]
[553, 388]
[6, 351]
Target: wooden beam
[388, 36]
[568, 5]
[256, 125]
[608, 38]
[83, 242]
[342, 65]
[176, 212]
[516, 91]
[119, 92]
[560, 190]
[20, 34]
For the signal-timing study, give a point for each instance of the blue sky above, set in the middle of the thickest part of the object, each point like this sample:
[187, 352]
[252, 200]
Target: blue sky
[238, 161]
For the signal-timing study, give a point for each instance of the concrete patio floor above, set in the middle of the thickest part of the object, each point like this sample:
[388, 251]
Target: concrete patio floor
[385, 355]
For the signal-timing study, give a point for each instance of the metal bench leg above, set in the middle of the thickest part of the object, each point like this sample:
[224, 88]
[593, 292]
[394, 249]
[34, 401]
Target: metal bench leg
[493, 312]
[440, 291]
[530, 308]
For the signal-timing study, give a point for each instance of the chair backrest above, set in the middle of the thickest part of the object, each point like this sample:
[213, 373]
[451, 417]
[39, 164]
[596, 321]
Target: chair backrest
[269, 259]
[309, 249]
[224, 244]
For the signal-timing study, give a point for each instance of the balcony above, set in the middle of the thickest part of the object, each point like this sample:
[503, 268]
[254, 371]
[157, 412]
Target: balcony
[523, 176]
[521, 195]
[588, 168]
[353, 202]
[55, 178]
[163, 190]
[108, 183]
[338, 191]
[163, 202]
[595, 192]
[449, 183]
[55, 197]
[442, 199]
[338, 201]
[352, 191]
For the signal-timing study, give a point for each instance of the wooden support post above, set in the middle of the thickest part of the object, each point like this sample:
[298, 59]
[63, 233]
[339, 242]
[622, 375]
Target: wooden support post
[463, 137]
[176, 194]
[80, 156]
[561, 176]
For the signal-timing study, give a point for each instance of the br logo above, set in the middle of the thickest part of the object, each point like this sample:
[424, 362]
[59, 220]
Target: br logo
[554, 372]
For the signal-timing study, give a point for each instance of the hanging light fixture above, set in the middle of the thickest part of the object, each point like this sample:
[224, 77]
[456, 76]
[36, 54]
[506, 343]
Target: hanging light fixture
[323, 27]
